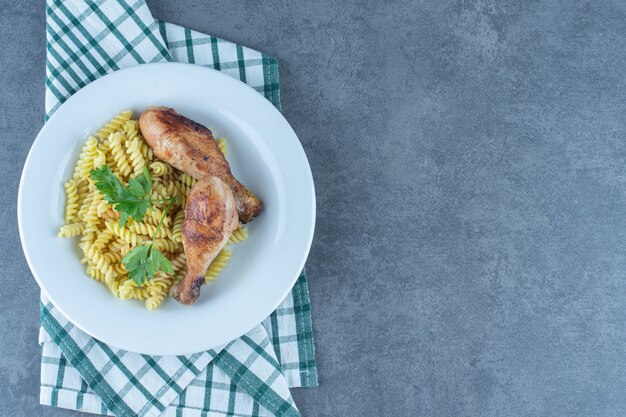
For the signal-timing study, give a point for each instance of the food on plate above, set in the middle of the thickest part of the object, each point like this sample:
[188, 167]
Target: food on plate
[190, 147]
[210, 220]
[127, 207]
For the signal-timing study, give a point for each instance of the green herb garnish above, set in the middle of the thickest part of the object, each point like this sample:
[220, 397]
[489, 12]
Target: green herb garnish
[144, 261]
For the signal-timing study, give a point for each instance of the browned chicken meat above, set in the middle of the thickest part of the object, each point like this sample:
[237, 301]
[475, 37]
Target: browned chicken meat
[210, 219]
[190, 147]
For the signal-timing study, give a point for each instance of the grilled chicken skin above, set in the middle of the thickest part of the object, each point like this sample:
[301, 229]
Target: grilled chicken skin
[210, 219]
[190, 147]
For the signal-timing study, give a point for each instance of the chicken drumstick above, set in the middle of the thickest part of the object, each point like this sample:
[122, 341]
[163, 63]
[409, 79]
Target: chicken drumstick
[210, 219]
[190, 147]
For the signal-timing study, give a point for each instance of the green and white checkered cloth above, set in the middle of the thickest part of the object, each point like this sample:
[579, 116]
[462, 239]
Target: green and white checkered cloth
[250, 376]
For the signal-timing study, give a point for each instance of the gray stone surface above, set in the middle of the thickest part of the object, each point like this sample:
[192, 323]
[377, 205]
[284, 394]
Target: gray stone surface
[469, 160]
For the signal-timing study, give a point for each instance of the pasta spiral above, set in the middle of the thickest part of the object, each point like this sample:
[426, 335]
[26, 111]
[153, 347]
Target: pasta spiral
[159, 285]
[160, 168]
[115, 124]
[90, 216]
[126, 235]
[146, 229]
[86, 238]
[177, 228]
[137, 160]
[103, 238]
[239, 235]
[218, 265]
[71, 204]
[102, 208]
[187, 180]
[131, 128]
[112, 257]
[112, 285]
[100, 262]
[82, 187]
[153, 217]
[180, 262]
[86, 203]
[94, 273]
[166, 245]
[178, 277]
[119, 268]
[165, 190]
[99, 159]
[84, 165]
[155, 300]
[71, 230]
[115, 143]
[129, 289]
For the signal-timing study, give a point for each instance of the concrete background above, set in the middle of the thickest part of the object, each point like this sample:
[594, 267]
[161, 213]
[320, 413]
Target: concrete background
[469, 159]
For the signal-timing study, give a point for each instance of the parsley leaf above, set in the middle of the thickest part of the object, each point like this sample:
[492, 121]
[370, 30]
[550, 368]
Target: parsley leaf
[143, 262]
[137, 265]
[107, 183]
[130, 202]
[158, 262]
[141, 185]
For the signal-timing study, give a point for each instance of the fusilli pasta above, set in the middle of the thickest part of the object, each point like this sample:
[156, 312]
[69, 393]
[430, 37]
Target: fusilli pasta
[137, 160]
[217, 265]
[160, 168]
[103, 241]
[71, 230]
[239, 235]
[117, 149]
[116, 124]
[71, 202]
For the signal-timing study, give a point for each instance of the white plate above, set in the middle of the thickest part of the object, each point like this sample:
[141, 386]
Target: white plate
[264, 154]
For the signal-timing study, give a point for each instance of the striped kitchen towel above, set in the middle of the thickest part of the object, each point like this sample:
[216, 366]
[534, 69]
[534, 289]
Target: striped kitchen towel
[250, 376]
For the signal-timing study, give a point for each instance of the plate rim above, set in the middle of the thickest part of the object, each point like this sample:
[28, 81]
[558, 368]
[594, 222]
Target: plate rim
[77, 97]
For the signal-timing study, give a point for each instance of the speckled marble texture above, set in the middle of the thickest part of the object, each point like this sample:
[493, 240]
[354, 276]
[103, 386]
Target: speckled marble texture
[470, 166]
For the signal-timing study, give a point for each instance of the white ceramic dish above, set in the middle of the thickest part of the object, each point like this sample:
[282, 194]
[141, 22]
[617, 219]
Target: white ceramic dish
[264, 154]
